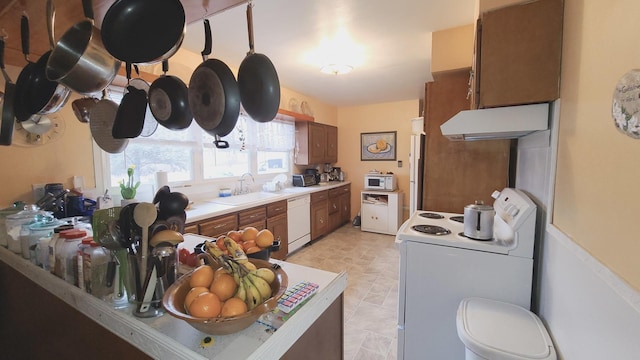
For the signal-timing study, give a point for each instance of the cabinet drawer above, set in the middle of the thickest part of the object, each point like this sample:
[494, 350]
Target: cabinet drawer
[319, 196]
[219, 226]
[339, 190]
[276, 208]
[251, 216]
[191, 229]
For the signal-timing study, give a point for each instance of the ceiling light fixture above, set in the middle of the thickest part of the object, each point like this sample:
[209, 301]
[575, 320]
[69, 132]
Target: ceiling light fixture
[336, 69]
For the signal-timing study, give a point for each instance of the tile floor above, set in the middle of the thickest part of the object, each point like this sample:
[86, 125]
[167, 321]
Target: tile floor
[371, 298]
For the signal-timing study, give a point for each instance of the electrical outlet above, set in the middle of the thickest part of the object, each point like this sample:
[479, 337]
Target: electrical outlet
[399, 163]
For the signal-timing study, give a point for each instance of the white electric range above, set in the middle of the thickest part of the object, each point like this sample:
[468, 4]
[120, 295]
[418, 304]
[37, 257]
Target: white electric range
[439, 267]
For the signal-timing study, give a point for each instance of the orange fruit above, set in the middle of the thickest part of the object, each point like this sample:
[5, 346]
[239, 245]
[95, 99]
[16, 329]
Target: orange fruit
[201, 276]
[192, 294]
[233, 307]
[248, 244]
[264, 238]
[224, 286]
[235, 235]
[219, 272]
[249, 233]
[205, 305]
[252, 250]
[220, 242]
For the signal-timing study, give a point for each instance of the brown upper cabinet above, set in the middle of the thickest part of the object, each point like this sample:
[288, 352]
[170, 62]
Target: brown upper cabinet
[517, 54]
[315, 143]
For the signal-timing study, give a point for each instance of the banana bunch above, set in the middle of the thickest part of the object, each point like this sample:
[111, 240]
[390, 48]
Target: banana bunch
[254, 285]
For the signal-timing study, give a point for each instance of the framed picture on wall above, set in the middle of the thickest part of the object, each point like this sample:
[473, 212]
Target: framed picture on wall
[378, 146]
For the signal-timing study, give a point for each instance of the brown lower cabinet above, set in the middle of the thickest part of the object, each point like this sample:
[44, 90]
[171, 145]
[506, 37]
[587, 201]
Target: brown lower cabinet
[38, 325]
[260, 217]
[319, 214]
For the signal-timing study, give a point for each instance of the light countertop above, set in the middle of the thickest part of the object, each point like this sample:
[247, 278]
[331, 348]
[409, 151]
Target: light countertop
[167, 337]
[204, 209]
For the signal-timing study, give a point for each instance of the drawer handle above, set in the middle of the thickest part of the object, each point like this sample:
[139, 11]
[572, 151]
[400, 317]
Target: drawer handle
[219, 226]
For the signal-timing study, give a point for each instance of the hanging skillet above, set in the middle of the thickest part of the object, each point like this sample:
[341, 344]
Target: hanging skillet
[23, 83]
[46, 96]
[169, 101]
[6, 129]
[143, 31]
[131, 111]
[258, 81]
[150, 124]
[214, 97]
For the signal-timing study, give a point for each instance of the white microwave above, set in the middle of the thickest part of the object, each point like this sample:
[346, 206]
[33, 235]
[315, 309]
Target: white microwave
[383, 182]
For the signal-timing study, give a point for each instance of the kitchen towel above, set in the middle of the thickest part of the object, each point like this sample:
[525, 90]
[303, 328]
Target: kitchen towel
[162, 179]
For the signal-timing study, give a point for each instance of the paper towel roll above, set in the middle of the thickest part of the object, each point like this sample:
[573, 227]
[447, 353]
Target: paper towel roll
[162, 179]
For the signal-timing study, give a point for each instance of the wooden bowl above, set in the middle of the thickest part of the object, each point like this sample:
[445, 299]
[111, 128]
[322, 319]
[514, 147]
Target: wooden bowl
[173, 302]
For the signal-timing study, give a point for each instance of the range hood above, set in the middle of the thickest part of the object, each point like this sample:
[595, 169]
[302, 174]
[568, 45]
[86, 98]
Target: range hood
[508, 122]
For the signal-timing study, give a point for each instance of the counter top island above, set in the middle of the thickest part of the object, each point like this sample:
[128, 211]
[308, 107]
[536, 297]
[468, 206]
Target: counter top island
[36, 324]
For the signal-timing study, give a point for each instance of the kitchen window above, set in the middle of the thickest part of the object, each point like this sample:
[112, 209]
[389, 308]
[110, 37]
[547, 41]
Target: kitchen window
[190, 157]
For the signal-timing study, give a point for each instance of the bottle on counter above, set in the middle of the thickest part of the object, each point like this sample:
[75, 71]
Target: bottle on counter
[66, 254]
[95, 261]
[52, 246]
[84, 244]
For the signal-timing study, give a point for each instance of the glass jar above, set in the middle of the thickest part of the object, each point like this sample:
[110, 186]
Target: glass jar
[14, 224]
[94, 268]
[66, 254]
[55, 238]
[41, 226]
[84, 244]
[12, 210]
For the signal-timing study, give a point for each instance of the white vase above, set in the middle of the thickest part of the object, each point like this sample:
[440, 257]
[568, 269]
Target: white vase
[125, 202]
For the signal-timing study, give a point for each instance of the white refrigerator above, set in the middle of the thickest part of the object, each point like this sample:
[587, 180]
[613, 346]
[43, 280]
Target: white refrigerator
[416, 165]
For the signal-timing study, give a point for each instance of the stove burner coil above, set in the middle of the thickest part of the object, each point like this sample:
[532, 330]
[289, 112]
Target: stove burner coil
[459, 219]
[430, 215]
[431, 229]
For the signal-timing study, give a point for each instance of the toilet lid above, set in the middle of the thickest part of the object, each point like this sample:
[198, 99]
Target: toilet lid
[501, 331]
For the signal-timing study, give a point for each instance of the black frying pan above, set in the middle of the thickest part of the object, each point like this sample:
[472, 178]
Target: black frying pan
[169, 101]
[46, 96]
[258, 81]
[131, 112]
[143, 31]
[214, 96]
[6, 129]
[20, 105]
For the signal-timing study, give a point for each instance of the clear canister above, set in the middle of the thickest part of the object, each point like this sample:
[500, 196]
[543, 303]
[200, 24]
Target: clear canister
[55, 238]
[66, 254]
[95, 261]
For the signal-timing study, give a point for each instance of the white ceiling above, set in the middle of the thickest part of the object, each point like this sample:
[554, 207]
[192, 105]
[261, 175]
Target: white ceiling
[394, 36]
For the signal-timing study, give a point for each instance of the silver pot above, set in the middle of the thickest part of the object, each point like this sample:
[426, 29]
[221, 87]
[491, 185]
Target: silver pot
[79, 59]
[478, 221]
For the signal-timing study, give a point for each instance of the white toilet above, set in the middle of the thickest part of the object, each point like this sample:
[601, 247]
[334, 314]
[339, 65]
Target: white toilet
[494, 330]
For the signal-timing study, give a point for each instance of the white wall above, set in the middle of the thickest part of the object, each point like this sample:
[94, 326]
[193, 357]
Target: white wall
[589, 311]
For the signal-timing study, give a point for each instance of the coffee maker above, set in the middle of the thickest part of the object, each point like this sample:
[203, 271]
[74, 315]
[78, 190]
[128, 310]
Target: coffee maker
[335, 174]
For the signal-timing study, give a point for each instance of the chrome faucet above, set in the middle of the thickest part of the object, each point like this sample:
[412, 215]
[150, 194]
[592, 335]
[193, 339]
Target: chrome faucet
[242, 178]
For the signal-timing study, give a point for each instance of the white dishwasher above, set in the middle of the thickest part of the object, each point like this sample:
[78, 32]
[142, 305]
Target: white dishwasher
[299, 221]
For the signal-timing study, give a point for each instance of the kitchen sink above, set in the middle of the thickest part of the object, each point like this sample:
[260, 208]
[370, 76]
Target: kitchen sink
[244, 198]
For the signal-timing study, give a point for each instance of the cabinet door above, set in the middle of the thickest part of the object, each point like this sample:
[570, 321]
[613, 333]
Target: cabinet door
[345, 208]
[319, 218]
[219, 225]
[520, 54]
[317, 143]
[375, 218]
[331, 154]
[278, 227]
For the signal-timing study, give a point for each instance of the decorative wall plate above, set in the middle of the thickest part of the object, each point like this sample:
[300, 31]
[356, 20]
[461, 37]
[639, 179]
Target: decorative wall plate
[625, 108]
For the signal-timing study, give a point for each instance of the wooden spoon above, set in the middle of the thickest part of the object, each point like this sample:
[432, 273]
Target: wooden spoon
[144, 215]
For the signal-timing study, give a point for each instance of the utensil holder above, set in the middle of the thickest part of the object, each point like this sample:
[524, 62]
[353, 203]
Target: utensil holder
[147, 301]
